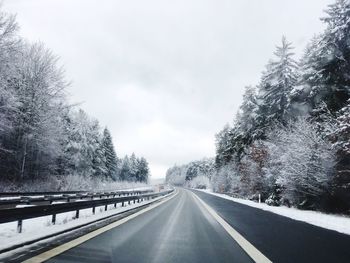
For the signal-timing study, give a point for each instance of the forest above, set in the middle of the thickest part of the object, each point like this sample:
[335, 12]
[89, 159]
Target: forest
[290, 140]
[47, 143]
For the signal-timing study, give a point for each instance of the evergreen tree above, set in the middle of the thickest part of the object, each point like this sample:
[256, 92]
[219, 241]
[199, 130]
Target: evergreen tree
[326, 62]
[133, 174]
[143, 170]
[125, 169]
[275, 88]
[224, 149]
[246, 121]
[99, 160]
[111, 160]
[83, 145]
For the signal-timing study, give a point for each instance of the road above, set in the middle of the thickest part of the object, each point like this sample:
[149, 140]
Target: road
[182, 230]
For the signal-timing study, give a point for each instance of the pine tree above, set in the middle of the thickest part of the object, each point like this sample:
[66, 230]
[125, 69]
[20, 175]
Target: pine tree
[111, 160]
[326, 62]
[342, 132]
[142, 170]
[83, 145]
[133, 176]
[99, 160]
[275, 88]
[247, 117]
[224, 148]
[125, 169]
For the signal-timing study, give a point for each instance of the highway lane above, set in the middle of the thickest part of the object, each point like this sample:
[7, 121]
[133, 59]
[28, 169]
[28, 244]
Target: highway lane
[279, 238]
[180, 230]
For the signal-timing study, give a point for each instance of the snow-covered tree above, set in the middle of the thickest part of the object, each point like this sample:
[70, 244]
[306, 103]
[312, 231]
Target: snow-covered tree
[326, 63]
[246, 121]
[124, 174]
[342, 131]
[142, 170]
[176, 175]
[301, 162]
[224, 146]
[275, 88]
[39, 87]
[111, 160]
[9, 55]
[227, 179]
[83, 146]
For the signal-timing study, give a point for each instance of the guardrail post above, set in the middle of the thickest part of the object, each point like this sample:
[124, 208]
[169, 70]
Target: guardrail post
[129, 202]
[19, 226]
[93, 210]
[53, 220]
[138, 200]
[115, 205]
[106, 207]
[77, 214]
[134, 201]
[123, 204]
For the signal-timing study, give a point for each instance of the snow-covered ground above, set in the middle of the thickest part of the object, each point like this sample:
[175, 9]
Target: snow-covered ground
[333, 222]
[42, 226]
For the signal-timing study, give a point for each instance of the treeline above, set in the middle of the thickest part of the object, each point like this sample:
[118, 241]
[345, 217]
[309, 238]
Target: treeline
[290, 141]
[194, 174]
[42, 136]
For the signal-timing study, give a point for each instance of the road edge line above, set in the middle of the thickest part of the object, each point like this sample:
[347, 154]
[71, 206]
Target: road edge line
[252, 251]
[75, 242]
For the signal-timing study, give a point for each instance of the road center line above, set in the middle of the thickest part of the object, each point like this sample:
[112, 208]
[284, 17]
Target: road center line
[253, 252]
[73, 243]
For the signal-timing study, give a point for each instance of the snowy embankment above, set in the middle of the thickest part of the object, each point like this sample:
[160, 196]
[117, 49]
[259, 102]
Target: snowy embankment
[64, 221]
[333, 222]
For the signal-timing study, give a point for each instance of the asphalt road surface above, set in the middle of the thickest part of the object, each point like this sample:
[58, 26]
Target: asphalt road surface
[182, 230]
[279, 238]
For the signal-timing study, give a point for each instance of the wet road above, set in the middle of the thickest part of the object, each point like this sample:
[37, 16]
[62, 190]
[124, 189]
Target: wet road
[180, 230]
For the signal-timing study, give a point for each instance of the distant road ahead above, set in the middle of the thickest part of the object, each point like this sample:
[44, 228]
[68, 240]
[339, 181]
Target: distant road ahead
[182, 230]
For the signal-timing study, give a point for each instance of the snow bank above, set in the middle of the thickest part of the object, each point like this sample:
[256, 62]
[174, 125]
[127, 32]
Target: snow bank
[333, 222]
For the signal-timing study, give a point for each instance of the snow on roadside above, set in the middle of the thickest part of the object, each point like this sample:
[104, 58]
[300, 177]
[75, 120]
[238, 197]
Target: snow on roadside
[337, 223]
[10, 237]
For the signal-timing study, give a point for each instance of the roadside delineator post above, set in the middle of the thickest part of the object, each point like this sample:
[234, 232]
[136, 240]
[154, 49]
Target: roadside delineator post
[53, 220]
[19, 226]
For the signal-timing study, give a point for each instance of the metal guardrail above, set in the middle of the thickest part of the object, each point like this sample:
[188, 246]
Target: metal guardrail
[3, 194]
[22, 213]
[50, 197]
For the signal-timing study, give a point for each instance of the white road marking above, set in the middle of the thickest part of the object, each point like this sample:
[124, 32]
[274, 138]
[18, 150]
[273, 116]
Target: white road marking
[64, 247]
[253, 252]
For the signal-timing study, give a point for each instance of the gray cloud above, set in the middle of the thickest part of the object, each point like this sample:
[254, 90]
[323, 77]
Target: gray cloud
[165, 76]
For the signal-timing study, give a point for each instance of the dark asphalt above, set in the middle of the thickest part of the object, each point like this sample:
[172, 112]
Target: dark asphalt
[179, 230]
[279, 238]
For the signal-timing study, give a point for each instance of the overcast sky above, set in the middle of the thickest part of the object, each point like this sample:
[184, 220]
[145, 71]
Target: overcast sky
[165, 76]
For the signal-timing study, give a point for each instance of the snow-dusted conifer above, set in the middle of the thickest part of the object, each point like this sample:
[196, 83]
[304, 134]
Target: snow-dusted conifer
[111, 160]
[275, 88]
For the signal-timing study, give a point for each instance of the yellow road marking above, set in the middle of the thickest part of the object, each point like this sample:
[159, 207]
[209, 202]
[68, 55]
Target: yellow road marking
[64, 247]
[253, 252]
